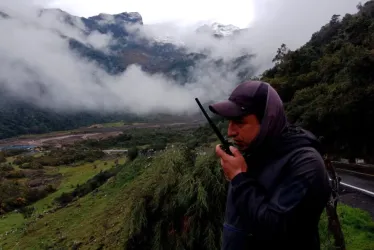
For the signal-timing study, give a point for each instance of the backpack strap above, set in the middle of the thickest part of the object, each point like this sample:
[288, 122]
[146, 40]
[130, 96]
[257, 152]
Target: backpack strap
[334, 225]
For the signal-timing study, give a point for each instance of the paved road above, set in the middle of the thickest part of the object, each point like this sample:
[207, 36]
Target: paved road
[350, 193]
[356, 180]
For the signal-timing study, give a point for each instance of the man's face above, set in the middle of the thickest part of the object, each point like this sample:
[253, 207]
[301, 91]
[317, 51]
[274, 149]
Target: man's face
[243, 131]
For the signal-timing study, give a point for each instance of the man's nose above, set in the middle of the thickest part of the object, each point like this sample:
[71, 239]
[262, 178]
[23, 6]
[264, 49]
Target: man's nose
[231, 132]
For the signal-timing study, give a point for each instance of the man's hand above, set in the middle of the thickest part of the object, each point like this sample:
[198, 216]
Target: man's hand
[231, 165]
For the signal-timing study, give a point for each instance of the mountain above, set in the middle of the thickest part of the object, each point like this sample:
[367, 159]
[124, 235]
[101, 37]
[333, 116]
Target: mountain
[3, 15]
[103, 23]
[154, 55]
[131, 47]
[115, 20]
[328, 84]
[218, 30]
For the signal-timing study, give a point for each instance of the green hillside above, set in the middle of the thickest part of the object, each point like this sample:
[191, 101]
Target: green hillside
[173, 200]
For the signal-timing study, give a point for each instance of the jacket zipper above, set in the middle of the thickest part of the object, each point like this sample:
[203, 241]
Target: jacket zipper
[233, 229]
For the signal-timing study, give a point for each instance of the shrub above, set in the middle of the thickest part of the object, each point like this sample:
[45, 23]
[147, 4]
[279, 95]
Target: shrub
[27, 211]
[132, 153]
[23, 159]
[34, 194]
[6, 167]
[15, 174]
[32, 165]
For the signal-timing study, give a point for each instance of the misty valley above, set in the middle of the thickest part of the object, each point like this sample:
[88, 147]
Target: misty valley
[102, 145]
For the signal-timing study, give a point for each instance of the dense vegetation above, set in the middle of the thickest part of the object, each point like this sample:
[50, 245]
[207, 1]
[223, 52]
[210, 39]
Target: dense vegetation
[328, 84]
[25, 179]
[156, 139]
[15, 195]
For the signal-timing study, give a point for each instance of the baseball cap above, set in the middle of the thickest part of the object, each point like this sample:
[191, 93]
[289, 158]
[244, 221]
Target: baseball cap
[247, 98]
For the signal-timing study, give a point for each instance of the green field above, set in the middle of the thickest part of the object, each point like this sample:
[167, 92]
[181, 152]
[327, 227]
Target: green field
[113, 124]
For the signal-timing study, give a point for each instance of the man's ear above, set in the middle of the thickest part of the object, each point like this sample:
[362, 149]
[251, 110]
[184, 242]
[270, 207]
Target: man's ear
[251, 118]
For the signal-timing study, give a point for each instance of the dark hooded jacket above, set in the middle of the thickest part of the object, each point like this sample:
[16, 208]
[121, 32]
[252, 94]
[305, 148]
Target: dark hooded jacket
[278, 202]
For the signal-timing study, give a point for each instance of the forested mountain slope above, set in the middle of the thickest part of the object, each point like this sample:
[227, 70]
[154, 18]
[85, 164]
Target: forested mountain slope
[328, 84]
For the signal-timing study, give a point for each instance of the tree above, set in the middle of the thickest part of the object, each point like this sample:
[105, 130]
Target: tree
[334, 19]
[2, 157]
[359, 6]
[281, 54]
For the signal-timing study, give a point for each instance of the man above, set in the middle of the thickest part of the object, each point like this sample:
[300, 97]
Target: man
[278, 182]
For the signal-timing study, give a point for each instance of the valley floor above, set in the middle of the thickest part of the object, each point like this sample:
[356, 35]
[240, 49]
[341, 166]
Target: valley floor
[96, 132]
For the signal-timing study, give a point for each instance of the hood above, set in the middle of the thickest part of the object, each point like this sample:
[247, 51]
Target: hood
[292, 137]
[277, 136]
[274, 121]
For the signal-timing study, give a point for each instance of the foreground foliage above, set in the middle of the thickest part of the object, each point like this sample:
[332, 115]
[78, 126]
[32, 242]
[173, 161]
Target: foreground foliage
[178, 203]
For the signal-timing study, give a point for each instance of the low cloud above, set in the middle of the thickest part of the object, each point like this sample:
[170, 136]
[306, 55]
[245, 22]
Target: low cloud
[275, 22]
[36, 63]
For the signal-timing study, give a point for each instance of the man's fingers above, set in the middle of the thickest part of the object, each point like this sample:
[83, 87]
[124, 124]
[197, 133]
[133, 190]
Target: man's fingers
[219, 151]
[235, 151]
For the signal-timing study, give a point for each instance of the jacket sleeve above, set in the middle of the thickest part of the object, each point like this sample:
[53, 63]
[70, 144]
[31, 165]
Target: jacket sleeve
[272, 216]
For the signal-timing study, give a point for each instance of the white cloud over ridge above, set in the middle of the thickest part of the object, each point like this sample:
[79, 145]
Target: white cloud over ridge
[37, 64]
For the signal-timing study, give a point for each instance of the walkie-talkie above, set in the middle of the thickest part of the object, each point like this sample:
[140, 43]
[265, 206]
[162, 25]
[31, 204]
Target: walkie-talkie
[225, 145]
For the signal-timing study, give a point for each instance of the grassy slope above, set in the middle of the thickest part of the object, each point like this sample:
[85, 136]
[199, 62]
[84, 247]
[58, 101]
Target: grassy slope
[114, 215]
[71, 177]
[86, 220]
[358, 229]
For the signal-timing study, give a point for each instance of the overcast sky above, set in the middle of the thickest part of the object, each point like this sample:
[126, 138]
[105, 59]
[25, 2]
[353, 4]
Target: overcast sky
[237, 12]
